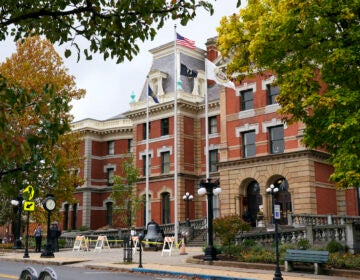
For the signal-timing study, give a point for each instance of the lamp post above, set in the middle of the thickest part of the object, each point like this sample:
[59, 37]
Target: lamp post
[187, 198]
[49, 205]
[19, 203]
[272, 190]
[210, 188]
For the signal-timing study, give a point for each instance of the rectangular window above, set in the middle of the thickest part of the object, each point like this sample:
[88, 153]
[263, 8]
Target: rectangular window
[271, 93]
[249, 147]
[144, 131]
[144, 165]
[247, 99]
[110, 147]
[213, 160]
[130, 145]
[165, 162]
[165, 127]
[110, 176]
[212, 125]
[277, 139]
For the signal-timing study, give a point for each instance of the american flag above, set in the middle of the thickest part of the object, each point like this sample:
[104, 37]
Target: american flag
[182, 41]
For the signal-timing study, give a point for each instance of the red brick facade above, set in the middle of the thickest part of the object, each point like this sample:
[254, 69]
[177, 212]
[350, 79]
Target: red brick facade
[301, 174]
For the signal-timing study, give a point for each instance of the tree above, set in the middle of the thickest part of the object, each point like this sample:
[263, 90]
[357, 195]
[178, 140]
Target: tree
[226, 228]
[312, 46]
[125, 195]
[111, 28]
[35, 143]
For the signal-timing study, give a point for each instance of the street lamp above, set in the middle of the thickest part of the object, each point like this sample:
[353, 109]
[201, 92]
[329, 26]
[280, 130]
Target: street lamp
[210, 188]
[19, 203]
[272, 190]
[187, 198]
[49, 205]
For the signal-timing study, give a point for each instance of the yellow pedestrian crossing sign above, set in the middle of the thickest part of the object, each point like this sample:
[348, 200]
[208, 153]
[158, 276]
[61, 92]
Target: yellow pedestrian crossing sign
[28, 193]
[29, 205]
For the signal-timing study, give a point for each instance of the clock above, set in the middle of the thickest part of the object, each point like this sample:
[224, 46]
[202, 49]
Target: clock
[49, 203]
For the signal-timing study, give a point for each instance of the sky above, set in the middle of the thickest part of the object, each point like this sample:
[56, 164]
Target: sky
[109, 85]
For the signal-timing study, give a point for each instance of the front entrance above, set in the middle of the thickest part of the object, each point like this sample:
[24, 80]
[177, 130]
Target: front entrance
[254, 199]
[283, 198]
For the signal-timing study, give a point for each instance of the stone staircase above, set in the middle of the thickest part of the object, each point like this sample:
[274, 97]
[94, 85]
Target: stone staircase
[198, 240]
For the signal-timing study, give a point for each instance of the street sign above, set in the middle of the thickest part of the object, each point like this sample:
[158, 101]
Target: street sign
[29, 206]
[277, 211]
[28, 193]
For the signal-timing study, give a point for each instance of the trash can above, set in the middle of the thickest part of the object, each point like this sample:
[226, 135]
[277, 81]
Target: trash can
[127, 251]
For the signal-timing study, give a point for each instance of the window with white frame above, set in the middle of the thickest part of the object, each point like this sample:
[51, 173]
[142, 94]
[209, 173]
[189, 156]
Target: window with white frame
[276, 139]
[212, 125]
[109, 213]
[110, 176]
[165, 207]
[110, 147]
[165, 162]
[213, 160]
[249, 146]
[144, 165]
[144, 131]
[164, 126]
[271, 93]
[247, 99]
[130, 145]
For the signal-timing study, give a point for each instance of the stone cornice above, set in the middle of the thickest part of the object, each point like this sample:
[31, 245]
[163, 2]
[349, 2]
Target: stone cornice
[268, 158]
[103, 127]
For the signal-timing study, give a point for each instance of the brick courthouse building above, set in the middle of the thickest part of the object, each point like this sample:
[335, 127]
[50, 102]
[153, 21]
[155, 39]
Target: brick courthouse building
[250, 148]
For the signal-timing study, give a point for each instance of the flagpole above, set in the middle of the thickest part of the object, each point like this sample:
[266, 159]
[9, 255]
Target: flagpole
[176, 225]
[206, 127]
[147, 218]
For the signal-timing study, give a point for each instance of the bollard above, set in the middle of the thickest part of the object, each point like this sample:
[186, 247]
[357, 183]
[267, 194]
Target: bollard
[141, 238]
[127, 251]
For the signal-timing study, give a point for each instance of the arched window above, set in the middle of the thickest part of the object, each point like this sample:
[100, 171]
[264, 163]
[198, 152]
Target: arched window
[74, 219]
[165, 207]
[66, 216]
[254, 200]
[109, 213]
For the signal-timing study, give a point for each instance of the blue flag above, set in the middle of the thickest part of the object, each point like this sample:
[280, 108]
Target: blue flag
[152, 94]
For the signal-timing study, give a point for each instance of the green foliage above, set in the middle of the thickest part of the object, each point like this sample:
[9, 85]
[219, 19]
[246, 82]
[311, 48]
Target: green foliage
[226, 228]
[335, 247]
[125, 195]
[112, 28]
[312, 47]
[303, 244]
[344, 260]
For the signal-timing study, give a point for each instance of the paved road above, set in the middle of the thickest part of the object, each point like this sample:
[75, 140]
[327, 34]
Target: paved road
[156, 262]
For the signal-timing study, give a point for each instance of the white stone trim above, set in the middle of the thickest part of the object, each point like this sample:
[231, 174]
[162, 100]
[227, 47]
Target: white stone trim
[245, 86]
[246, 127]
[265, 82]
[108, 166]
[213, 147]
[273, 122]
[163, 149]
[143, 153]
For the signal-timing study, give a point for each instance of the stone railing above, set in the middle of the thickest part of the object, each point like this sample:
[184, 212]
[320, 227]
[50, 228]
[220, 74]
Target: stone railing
[318, 229]
[316, 220]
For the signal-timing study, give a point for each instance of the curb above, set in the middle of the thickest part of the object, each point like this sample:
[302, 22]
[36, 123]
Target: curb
[201, 276]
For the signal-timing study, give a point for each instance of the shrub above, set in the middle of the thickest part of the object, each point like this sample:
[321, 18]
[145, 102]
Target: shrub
[303, 244]
[334, 246]
[226, 228]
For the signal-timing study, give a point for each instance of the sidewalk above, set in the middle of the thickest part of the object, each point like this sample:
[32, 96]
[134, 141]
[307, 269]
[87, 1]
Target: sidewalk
[153, 262]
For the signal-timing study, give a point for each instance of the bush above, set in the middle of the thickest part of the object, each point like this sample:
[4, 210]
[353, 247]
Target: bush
[303, 244]
[334, 246]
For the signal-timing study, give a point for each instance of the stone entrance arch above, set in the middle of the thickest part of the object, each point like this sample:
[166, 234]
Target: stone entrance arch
[283, 197]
